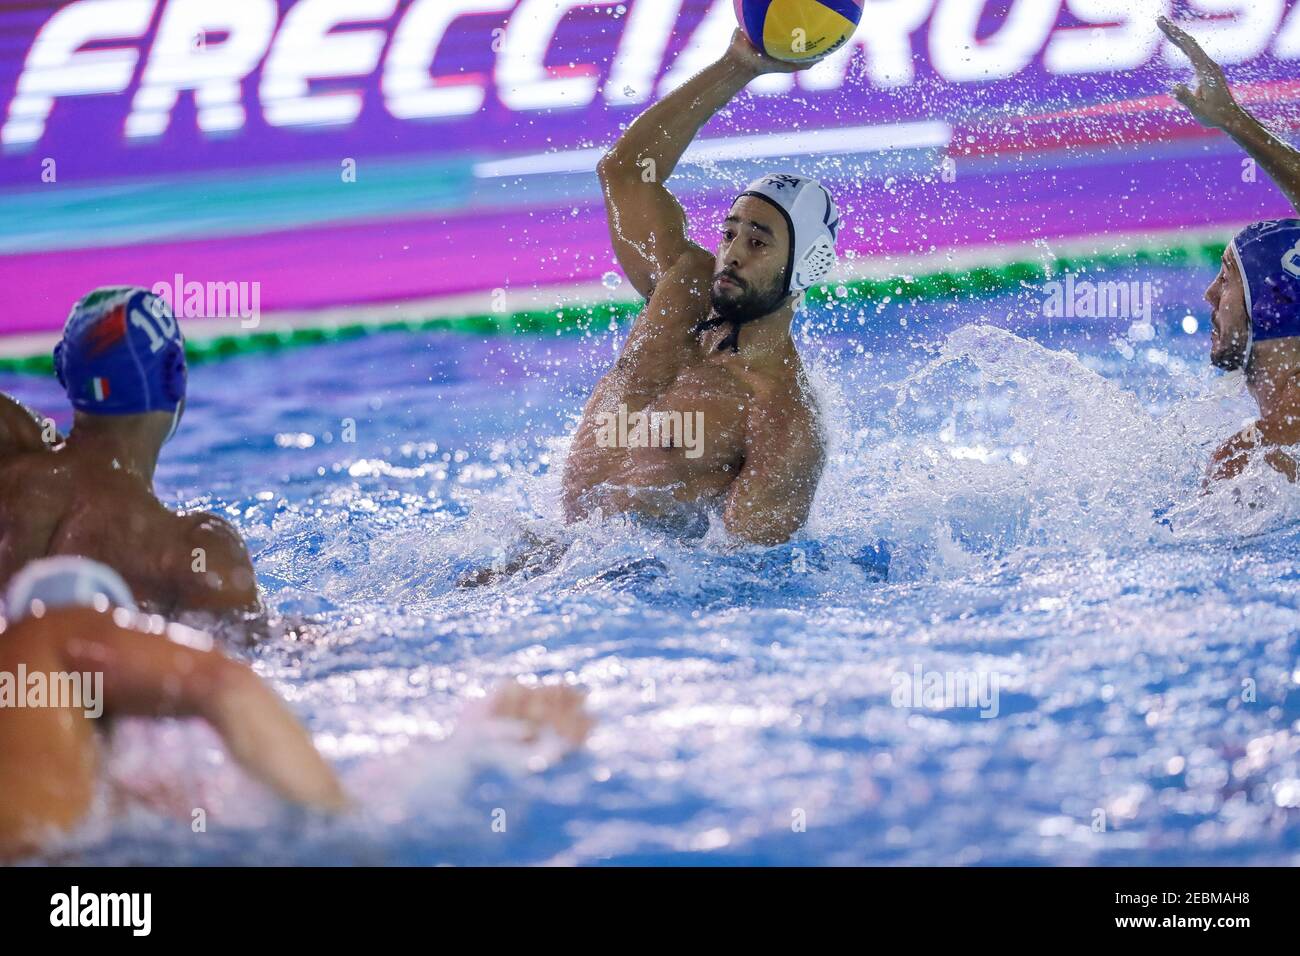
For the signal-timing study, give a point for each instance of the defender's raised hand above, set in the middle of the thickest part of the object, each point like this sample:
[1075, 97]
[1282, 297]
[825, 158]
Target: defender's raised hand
[1211, 102]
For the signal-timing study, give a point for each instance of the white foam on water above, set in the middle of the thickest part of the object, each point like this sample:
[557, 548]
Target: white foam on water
[1027, 500]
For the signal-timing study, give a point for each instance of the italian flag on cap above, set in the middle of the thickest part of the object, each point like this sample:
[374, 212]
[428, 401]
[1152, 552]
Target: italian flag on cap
[98, 388]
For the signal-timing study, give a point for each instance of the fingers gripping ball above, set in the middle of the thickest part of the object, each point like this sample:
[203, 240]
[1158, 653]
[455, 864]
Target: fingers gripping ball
[798, 31]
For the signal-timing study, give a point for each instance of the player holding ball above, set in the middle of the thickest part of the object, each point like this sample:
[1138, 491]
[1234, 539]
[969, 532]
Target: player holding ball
[714, 339]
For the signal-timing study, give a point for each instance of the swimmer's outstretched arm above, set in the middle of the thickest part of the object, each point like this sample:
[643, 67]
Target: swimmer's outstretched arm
[539, 556]
[1214, 105]
[559, 709]
[151, 675]
[646, 222]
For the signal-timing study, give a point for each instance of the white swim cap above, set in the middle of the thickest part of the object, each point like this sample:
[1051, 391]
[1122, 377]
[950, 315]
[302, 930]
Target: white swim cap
[814, 223]
[65, 582]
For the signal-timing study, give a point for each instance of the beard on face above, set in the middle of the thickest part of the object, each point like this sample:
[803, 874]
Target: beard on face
[1231, 355]
[747, 303]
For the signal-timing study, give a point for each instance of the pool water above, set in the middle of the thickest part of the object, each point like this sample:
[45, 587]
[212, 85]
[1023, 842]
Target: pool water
[1034, 482]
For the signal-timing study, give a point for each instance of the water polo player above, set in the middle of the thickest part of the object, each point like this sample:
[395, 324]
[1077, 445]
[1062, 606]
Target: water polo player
[122, 363]
[1256, 295]
[71, 629]
[712, 350]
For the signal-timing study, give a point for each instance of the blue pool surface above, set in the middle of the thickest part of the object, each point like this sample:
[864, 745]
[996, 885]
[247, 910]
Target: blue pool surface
[1034, 481]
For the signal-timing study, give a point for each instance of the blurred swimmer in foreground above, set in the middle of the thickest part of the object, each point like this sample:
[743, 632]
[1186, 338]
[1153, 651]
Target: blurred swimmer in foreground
[122, 363]
[1256, 296]
[73, 635]
[75, 650]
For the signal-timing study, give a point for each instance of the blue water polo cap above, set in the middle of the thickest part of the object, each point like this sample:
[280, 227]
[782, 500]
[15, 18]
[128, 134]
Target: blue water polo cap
[122, 353]
[813, 220]
[1268, 255]
[65, 581]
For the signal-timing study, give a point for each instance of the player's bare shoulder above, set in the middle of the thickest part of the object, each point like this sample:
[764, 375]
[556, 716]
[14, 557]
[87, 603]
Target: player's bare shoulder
[660, 339]
[211, 564]
[681, 295]
[21, 432]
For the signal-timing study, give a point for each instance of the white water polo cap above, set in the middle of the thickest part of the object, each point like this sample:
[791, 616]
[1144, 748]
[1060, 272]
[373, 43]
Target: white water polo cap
[814, 223]
[65, 582]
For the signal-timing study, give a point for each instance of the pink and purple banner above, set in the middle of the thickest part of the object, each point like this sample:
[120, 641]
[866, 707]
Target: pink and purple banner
[348, 151]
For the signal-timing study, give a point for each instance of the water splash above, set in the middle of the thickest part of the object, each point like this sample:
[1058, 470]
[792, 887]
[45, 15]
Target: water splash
[1026, 496]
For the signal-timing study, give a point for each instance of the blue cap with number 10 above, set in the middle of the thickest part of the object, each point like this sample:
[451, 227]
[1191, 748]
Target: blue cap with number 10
[122, 353]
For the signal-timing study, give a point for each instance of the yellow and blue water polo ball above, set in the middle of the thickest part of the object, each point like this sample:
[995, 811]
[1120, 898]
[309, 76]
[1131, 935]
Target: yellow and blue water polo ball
[798, 30]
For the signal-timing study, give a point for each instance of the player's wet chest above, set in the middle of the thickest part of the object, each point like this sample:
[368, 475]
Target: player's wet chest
[708, 406]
